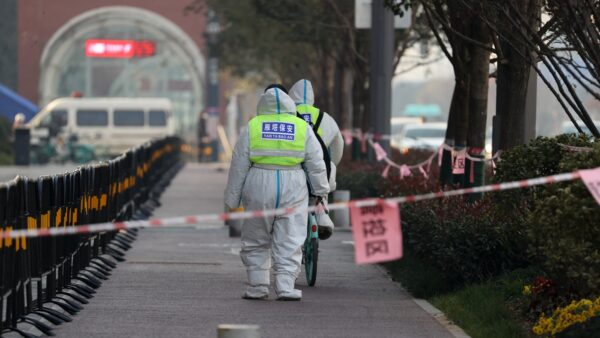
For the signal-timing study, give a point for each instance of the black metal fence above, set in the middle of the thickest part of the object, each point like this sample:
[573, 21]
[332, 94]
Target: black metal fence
[51, 277]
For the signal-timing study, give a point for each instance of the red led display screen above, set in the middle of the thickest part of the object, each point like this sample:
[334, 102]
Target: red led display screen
[123, 49]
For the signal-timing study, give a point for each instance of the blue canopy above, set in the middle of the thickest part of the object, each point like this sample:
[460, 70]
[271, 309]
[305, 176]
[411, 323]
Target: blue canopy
[12, 103]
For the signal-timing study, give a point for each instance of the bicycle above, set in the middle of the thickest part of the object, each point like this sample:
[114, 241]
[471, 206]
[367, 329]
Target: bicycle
[311, 249]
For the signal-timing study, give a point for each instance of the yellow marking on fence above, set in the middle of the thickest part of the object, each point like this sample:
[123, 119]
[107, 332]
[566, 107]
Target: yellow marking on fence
[8, 241]
[31, 222]
[75, 215]
[95, 203]
[23, 245]
[103, 201]
[58, 218]
[45, 220]
[67, 217]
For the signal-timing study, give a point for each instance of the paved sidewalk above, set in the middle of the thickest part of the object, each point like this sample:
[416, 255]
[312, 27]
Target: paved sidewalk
[184, 282]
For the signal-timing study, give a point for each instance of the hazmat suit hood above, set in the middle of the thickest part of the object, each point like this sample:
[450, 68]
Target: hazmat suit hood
[302, 92]
[275, 101]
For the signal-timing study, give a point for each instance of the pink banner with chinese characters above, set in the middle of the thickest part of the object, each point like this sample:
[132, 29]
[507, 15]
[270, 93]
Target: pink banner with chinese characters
[377, 232]
[591, 178]
[459, 163]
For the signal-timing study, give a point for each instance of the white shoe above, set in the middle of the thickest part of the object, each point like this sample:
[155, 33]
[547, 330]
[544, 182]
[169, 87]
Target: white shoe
[295, 294]
[284, 287]
[256, 292]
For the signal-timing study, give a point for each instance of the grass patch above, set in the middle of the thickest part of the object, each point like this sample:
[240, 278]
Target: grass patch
[493, 309]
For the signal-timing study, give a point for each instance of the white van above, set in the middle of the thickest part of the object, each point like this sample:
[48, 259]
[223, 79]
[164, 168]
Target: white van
[110, 125]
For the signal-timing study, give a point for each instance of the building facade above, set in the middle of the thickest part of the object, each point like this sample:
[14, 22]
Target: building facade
[8, 44]
[141, 48]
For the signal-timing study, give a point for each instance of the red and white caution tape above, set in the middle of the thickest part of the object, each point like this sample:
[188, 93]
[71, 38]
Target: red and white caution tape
[207, 218]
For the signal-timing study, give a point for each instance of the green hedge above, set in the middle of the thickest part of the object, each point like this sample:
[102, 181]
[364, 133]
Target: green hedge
[564, 230]
[541, 157]
[362, 184]
[556, 227]
[468, 242]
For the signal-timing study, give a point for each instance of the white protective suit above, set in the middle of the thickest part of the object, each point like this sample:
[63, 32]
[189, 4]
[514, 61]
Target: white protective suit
[260, 188]
[302, 93]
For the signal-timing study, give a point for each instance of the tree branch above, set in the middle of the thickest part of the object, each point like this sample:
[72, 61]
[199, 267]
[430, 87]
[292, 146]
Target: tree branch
[417, 65]
[449, 56]
[448, 29]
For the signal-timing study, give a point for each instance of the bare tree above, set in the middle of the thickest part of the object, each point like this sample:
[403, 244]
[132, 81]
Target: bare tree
[467, 43]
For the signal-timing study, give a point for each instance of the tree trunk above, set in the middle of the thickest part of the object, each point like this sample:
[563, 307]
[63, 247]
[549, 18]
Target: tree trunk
[323, 84]
[338, 92]
[458, 120]
[446, 167]
[513, 76]
[461, 114]
[474, 171]
[360, 103]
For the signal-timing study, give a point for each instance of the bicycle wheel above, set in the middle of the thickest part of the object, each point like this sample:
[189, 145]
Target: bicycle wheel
[311, 252]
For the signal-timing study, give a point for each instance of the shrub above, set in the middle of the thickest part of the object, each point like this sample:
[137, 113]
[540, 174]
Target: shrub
[541, 157]
[556, 226]
[564, 230]
[360, 184]
[364, 179]
[468, 242]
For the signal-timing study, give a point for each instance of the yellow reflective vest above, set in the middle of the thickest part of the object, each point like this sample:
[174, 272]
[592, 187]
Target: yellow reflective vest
[277, 139]
[310, 114]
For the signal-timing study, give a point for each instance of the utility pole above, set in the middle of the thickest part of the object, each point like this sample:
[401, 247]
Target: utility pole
[382, 59]
[213, 29]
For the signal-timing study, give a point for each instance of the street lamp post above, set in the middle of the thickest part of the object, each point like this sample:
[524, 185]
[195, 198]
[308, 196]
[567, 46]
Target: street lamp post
[382, 59]
[213, 28]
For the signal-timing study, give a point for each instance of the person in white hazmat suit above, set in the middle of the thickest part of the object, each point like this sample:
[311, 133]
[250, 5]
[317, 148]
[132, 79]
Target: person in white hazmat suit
[271, 163]
[327, 129]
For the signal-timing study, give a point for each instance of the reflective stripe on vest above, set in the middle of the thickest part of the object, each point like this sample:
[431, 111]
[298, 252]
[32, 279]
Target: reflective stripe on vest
[277, 139]
[310, 114]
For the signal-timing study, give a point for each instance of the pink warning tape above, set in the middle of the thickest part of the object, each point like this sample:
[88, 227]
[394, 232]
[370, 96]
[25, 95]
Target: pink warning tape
[206, 218]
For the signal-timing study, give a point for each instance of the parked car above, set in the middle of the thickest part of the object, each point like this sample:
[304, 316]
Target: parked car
[398, 124]
[109, 125]
[428, 136]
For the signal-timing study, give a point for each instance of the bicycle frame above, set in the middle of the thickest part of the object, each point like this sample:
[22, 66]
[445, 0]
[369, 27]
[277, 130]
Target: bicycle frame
[312, 228]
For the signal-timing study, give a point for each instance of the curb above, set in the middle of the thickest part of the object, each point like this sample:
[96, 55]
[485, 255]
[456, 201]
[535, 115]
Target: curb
[434, 312]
